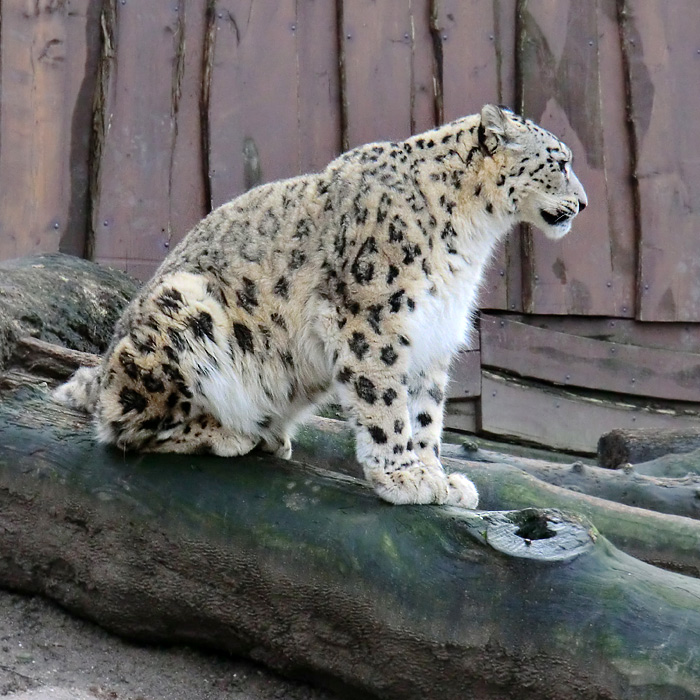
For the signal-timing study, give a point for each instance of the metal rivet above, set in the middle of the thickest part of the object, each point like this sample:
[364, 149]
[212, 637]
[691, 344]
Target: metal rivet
[503, 273]
[348, 36]
[624, 309]
[105, 223]
[568, 376]
[537, 278]
[293, 27]
[405, 36]
[633, 380]
[612, 323]
[646, 286]
[609, 284]
[221, 14]
[590, 42]
[493, 394]
[503, 323]
[612, 350]
[490, 37]
[512, 307]
[55, 225]
[444, 37]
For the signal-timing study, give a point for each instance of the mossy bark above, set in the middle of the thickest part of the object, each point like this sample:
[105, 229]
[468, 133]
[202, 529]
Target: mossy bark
[60, 299]
[309, 572]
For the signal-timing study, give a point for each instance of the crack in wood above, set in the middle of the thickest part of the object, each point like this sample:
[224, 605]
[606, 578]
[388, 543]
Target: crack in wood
[205, 97]
[108, 23]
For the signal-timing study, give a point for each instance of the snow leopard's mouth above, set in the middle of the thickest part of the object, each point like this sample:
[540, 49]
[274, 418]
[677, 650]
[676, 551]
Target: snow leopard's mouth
[555, 218]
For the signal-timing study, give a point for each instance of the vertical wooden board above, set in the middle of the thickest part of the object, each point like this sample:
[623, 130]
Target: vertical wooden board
[560, 68]
[477, 41]
[424, 114]
[319, 84]
[132, 209]
[376, 67]
[253, 97]
[618, 159]
[188, 200]
[663, 56]
[48, 68]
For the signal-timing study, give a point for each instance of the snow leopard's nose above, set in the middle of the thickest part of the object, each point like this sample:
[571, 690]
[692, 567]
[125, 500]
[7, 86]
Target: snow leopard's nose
[582, 205]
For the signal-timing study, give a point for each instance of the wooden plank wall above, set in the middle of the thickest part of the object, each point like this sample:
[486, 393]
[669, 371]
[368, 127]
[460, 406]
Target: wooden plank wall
[192, 102]
[122, 123]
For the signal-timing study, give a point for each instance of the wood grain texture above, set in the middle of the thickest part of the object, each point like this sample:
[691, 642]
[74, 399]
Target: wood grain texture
[663, 55]
[572, 360]
[132, 223]
[565, 50]
[47, 74]
[273, 107]
[377, 51]
[465, 376]
[566, 420]
[188, 201]
[476, 41]
[679, 337]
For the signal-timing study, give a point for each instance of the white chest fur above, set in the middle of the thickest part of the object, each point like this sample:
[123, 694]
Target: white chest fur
[442, 321]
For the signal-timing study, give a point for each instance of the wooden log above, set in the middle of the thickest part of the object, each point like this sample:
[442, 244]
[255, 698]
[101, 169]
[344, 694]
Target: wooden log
[620, 447]
[60, 299]
[674, 492]
[510, 481]
[312, 574]
[673, 466]
[669, 541]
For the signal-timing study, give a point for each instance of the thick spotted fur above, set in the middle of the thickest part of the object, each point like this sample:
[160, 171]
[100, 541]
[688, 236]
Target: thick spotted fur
[358, 281]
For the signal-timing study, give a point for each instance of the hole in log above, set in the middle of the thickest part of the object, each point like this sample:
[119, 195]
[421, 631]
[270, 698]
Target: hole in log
[535, 527]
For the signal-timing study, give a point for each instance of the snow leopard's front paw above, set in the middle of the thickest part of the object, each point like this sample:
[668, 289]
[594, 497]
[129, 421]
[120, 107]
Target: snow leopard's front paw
[412, 483]
[462, 493]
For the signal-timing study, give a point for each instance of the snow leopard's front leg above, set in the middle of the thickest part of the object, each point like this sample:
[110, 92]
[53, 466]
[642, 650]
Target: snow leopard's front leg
[371, 382]
[426, 391]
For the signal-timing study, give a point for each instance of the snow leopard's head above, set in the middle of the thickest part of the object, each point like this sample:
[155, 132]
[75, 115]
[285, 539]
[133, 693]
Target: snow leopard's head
[540, 184]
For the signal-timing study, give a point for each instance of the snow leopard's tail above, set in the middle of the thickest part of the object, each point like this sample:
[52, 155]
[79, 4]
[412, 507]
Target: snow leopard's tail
[81, 391]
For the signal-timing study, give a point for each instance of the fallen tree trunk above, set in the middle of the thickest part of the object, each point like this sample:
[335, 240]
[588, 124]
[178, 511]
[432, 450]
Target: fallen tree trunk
[672, 466]
[620, 447]
[669, 541]
[310, 573]
[60, 299]
[672, 543]
[665, 492]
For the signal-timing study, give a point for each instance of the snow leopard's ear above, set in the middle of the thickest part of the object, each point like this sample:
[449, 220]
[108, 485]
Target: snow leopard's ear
[495, 129]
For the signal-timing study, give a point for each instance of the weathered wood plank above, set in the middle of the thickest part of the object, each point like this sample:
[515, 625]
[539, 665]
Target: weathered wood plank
[271, 113]
[188, 198]
[465, 375]
[132, 207]
[564, 420]
[573, 360]
[424, 69]
[461, 415]
[681, 337]
[320, 131]
[377, 61]
[661, 44]
[47, 73]
[560, 75]
[475, 40]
